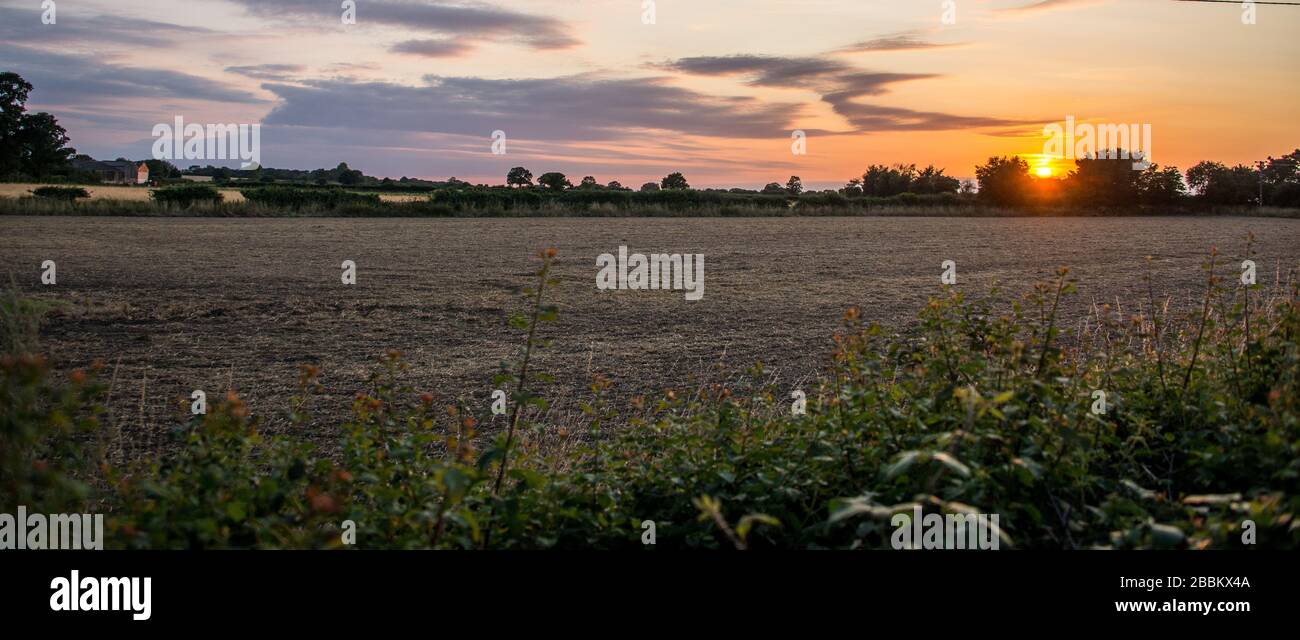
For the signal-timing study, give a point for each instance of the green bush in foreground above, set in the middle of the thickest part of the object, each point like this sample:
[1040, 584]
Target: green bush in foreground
[980, 408]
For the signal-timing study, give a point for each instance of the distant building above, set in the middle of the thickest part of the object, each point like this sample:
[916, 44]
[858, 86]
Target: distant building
[114, 171]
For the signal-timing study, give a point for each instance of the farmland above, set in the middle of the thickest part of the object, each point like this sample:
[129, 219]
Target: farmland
[141, 194]
[177, 304]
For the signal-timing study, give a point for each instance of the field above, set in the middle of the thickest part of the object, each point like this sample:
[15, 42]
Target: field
[172, 305]
[141, 194]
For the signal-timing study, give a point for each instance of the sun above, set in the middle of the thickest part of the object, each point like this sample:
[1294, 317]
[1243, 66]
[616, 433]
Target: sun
[1044, 172]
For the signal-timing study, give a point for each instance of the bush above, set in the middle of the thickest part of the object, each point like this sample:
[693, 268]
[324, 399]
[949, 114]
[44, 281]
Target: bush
[187, 195]
[296, 198]
[70, 194]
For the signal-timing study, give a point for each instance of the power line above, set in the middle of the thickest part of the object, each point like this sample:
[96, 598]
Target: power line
[1284, 4]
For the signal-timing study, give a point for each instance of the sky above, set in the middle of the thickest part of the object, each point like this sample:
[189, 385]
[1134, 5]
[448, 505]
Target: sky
[631, 90]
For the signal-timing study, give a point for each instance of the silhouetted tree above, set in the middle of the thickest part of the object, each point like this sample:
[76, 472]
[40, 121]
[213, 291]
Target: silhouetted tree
[675, 181]
[13, 107]
[1107, 180]
[555, 181]
[1215, 183]
[44, 145]
[519, 177]
[30, 144]
[1003, 181]
[882, 181]
[931, 180]
[649, 186]
[853, 189]
[794, 186]
[1161, 186]
[1281, 177]
[162, 169]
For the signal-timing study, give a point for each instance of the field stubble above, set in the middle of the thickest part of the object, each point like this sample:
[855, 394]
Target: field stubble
[177, 304]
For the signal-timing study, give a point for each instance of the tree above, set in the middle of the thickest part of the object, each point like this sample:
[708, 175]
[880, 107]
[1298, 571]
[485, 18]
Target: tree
[614, 185]
[519, 177]
[348, 176]
[773, 189]
[1107, 180]
[588, 182]
[30, 144]
[1160, 186]
[932, 180]
[13, 100]
[555, 181]
[44, 145]
[675, 181]
[853, 189]
[1003, 181]
[162, 169]
[1281, 178]
[649, 186]
[882, 181]
[794, 186]
[1215, 183]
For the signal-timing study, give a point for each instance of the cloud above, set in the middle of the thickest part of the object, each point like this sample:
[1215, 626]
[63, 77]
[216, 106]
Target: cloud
[83, 80]
[268, 71]
[1039, 6]
[432, 48]
[464, 21]
[818, 74]
[906, 41]
[76, 28]
[840, 85]
[570, 108]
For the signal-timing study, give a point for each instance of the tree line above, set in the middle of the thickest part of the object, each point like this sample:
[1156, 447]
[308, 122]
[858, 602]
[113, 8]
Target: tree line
[1112, 181]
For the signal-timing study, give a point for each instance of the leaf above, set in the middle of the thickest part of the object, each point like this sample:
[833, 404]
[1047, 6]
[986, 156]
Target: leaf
[905, 462]
[530, 479]
[1212, 500]
[746, 523]
[1139, 491]
[845, 508]
[489, 456]
[1163, 535]
[955, 465]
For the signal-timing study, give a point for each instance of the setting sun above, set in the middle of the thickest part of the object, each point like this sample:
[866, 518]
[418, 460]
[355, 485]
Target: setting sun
[1044, 172]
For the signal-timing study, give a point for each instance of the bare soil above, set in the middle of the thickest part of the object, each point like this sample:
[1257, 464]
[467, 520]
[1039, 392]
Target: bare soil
[177, 304]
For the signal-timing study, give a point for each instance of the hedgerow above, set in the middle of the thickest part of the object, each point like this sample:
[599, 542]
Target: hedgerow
[295, 198]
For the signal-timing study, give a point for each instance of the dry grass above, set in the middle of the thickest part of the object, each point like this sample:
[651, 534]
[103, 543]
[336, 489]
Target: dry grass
[141, 193]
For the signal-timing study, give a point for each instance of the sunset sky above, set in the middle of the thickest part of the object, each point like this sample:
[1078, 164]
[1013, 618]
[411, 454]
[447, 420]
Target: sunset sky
[713, 88]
